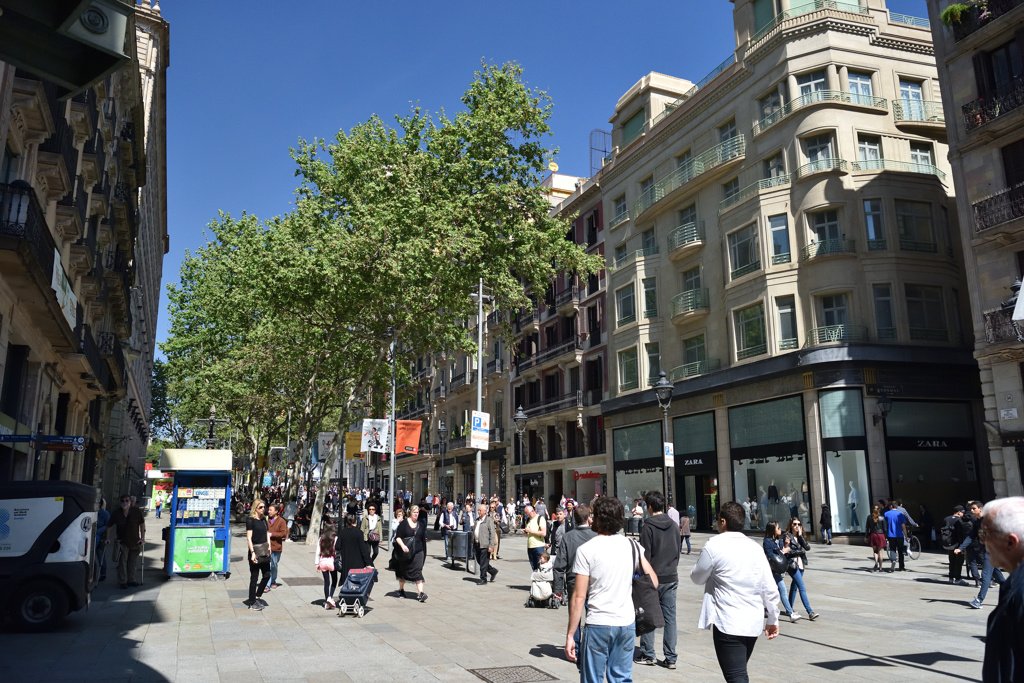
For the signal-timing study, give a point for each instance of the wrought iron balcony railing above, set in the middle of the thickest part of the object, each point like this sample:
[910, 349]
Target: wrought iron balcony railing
[820, 166]
[829, 334]
[1000, 208]
[753, 190]
[975, 18]
[628, 258]
[918, 110]
[999, 327]
[569, 295]
[688, 233]
[894, 165]
[919, 22]
[828, 247]
[751, 351]
[22, 217]
[707, 160]
[817, 97]
[690, 300]
[700, 367]
[802, 9]
[1008, 98]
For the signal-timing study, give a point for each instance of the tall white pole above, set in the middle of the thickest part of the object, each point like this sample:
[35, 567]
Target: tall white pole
[479, 380]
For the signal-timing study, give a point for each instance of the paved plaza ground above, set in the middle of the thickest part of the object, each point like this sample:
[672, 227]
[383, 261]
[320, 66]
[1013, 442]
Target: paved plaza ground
[882, 627]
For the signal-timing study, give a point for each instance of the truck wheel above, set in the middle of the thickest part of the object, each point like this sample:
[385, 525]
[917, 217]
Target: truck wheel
[39, 606]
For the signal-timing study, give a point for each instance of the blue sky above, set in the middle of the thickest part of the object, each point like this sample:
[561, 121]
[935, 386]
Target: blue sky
[248, 79]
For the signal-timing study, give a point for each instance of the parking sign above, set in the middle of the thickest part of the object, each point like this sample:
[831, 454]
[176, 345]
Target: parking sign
[480, 435]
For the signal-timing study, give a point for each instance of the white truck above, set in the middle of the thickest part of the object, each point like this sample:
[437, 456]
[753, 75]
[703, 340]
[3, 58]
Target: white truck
[47, 538]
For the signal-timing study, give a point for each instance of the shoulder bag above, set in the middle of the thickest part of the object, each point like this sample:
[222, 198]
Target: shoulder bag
[778, 561]
[262, 550]
[646, 601]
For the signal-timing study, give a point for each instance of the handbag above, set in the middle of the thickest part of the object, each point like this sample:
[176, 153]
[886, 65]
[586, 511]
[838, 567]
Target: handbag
[646, 601]
[373, 537]
[778, 562]
[326, 564]
[262, 552]
[503, 527]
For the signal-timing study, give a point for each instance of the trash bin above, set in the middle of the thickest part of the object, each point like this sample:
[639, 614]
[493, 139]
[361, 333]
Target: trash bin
[460, 546]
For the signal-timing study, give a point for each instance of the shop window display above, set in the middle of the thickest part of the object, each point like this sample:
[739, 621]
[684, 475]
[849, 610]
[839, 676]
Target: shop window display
[843, 447]
[638, 461]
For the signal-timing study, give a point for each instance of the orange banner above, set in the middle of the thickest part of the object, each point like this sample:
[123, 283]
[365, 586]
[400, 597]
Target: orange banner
[408, 432]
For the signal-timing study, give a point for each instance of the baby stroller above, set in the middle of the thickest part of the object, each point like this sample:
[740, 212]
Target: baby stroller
[541, 594]
[354, 593]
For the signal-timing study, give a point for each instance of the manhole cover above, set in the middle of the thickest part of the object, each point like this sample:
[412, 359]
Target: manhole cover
[512, 674]
[302, 581]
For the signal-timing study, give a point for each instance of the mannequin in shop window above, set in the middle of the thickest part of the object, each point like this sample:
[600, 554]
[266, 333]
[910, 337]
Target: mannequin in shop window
[851, 501]
[773, 492]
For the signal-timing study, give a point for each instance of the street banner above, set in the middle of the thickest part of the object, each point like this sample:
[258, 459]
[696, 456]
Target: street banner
[324, 441]
[670, 458]
[408, 436]
[353, 444]
[374, 436]
[480, 435]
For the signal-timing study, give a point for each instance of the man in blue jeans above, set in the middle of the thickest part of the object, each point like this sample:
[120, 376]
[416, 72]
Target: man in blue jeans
[604, 580]
[896, 534]
[661, 543]
[978, 555]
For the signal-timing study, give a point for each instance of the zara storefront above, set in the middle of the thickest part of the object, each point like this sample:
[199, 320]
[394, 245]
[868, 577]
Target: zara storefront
[790, 443]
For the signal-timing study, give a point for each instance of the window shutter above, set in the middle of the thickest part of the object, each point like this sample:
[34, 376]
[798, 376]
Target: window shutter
[983, 74]
[1013, 163]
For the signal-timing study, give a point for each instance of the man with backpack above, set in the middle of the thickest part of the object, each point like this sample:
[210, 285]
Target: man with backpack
[952, 535]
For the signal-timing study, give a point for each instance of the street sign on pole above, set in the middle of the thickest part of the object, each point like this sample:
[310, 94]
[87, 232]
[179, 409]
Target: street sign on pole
[670, 458]
[61, 443]
[481, 430]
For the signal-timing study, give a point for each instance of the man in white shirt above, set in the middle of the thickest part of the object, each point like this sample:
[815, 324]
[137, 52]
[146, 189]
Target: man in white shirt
[738, 589]
[604, 581]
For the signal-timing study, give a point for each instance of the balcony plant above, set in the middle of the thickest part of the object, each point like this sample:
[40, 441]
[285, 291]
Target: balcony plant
[953, 13]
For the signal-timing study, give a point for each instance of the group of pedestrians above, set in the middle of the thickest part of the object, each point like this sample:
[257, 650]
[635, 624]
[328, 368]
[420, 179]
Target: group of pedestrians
[963, 538]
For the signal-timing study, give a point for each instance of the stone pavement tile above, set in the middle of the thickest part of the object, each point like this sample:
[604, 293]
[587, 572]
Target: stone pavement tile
[230, 647]
[232, 662]
[242, 677]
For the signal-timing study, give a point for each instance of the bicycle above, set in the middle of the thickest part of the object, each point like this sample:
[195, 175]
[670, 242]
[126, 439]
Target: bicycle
[913, 547]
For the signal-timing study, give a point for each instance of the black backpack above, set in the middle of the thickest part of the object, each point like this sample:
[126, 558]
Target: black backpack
[948, 532]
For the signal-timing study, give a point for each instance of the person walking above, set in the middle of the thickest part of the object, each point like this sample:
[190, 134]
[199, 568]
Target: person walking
[660, 540]
[979, 556]
[325, 562]
[738, 590]
[565, 553]
[278, 534]
[535, 531]
[372, 528]
[604, 571]
[484, 535]
[449, 523]
[351, 551]
[773, 545]
[127, 527]
[257, 533]
[825, 524]
[896, 534]
[102, 522]
[951, 535]
[411, 539]
[875, 529]
[798, 546]
[494, 511]
[684, 531]
[1002, 532]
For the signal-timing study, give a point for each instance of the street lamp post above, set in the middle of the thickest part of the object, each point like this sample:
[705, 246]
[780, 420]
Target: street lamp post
[442, 433]
[520, 420]
[663, 388]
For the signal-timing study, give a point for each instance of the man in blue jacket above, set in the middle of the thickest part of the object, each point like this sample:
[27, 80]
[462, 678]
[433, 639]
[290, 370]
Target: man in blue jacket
[1002, 531]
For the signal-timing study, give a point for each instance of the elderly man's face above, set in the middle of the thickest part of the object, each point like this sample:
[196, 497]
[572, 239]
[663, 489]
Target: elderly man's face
[530, 512]
[450, 507]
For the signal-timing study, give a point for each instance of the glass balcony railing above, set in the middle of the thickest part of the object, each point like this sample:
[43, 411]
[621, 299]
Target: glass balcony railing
[690, 300]
[752, 190]
[626, 259]
[690, 169]
[918, 110]
[700, 367]
[896, 18]
[820, 166]
[689, 233]
[816, 97]
[805, 8]
[827, 247]
[836, 333]
[893, 165]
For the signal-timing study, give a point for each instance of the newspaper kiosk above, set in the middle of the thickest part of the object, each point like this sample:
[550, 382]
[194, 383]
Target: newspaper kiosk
[198, 540]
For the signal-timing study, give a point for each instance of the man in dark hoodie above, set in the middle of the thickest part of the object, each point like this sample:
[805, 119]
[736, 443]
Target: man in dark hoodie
[661, 543]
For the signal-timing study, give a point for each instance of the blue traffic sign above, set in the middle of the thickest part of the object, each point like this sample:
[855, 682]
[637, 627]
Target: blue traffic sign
[17, 438]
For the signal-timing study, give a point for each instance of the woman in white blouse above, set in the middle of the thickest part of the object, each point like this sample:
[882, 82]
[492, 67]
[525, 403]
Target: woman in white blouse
[738, 589]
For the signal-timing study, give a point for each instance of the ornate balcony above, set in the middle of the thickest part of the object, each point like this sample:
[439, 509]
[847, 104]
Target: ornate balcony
[974, 19]
[110, 348]
[684, 238]
[918, 115]
[999, 327]
[689, 304]
[820, 166]
[816, 250]
[495, 366]
[567, 299]
[1000, 208]
[573, 399]
[818, 97]
[830, 334]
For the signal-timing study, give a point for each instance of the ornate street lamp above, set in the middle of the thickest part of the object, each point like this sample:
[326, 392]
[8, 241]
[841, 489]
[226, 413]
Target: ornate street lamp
[884, 406]
[442, 433]
[520, 420]
[663, 388]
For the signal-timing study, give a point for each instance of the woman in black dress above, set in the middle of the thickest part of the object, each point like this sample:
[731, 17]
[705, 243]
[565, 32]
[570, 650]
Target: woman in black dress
[352, 552]
[411, 552]
[256, 534]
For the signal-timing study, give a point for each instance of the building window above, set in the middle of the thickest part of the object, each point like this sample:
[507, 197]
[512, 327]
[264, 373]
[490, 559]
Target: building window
[779, 226]
[786, 306]
[683, 159]
[873, 224]
[770, 104]
[884, 318]
[819, 147]
[914, 224]
[650, 298]
[628, 375]
[625, 304]
[688, 216]
[731, 188]
[694, 350]
[653, 361]
[646, 187]
[620, 253]
[925, 314]
[691, 279]
[619, 212]
[869, 151]
[811, 83]
[833, 310]
[921, 154]
[825, 225]
[591, 228]
[743, 251]
[774, 166]
[727, 131]
[633, 127]
[911, 96]
[751, 336]
[649, 242]
[860, 88]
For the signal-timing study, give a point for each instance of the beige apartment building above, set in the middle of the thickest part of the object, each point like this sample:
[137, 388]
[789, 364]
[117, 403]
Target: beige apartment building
[782, 241]
[981, 71]
[82, 238]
